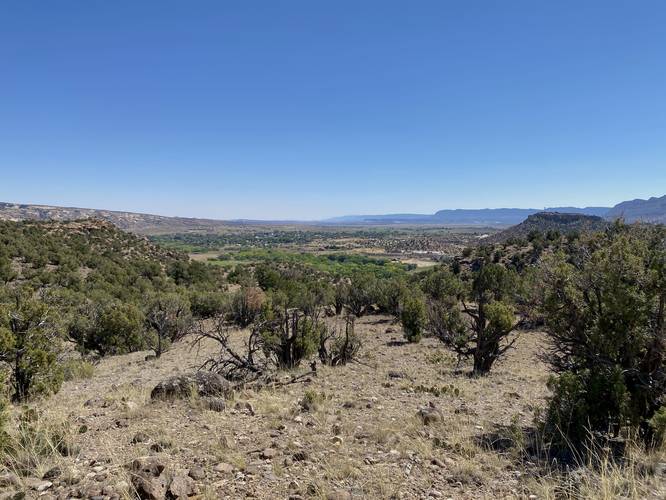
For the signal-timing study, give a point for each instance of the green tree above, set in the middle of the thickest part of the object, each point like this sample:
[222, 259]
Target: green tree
[7, 274]
[486, 300]
[207, 304]
[604, 306]
[413, 316]
[28, 342]
[289, 336]
[117, 329]
[361, 293]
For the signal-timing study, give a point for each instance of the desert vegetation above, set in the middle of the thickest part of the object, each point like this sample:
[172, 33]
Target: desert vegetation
[526, 367]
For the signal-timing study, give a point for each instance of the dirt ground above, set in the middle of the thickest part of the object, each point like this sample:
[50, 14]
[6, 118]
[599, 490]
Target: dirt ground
[363, 437]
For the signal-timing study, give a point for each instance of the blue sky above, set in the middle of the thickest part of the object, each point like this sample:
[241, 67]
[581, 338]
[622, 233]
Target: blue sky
[307, 109]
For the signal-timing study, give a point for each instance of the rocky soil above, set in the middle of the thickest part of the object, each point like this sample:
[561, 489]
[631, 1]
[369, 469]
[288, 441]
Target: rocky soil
[405, 422]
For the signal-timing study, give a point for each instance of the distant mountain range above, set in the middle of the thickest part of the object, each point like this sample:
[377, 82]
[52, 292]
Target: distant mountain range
[652, 210]
[470, 217]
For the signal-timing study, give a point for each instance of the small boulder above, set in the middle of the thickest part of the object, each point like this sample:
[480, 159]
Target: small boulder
[150, 488]
[202, 383]
[182, 485]
[52, 473]
[224, 468]
[197, 473]
[37, 484]
[149, 478]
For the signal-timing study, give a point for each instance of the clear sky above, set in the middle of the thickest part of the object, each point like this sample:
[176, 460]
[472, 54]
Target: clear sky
[314, 108]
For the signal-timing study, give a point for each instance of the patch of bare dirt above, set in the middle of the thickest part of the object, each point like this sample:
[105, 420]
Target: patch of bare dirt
[403, 423]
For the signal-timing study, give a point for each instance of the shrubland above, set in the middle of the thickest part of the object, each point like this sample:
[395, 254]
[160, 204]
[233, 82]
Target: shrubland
[600, 299]
[89, 285]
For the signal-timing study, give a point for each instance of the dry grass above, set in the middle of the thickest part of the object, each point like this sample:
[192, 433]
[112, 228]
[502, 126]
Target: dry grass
[352, 428]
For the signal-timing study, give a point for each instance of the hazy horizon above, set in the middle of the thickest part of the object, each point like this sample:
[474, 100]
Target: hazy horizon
[322, 219]
[306, 111]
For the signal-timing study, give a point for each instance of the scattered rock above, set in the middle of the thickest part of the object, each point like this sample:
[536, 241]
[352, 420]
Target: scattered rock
[149, 478]
[37, 484]
[150, 488]
[52, 473]
[197, 473]
[201, 383]
[182, 486]
[269, 453]
[224, 468]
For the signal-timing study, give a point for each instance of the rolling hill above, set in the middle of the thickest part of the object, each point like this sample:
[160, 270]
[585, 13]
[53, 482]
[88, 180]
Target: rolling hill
[552, 221]
[128, 221]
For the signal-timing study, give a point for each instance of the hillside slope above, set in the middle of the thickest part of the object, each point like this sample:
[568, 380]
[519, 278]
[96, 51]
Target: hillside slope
[652, 210]
[128, 221]
[552, 221]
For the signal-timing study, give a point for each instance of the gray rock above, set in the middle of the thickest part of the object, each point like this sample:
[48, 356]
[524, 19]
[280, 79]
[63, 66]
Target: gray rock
[182, 486]
[37, 484]
[150, 488]
[202, 383]
[197, 473]
[149, 478]
[224, 468]
[52, 473]
[269, 453]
